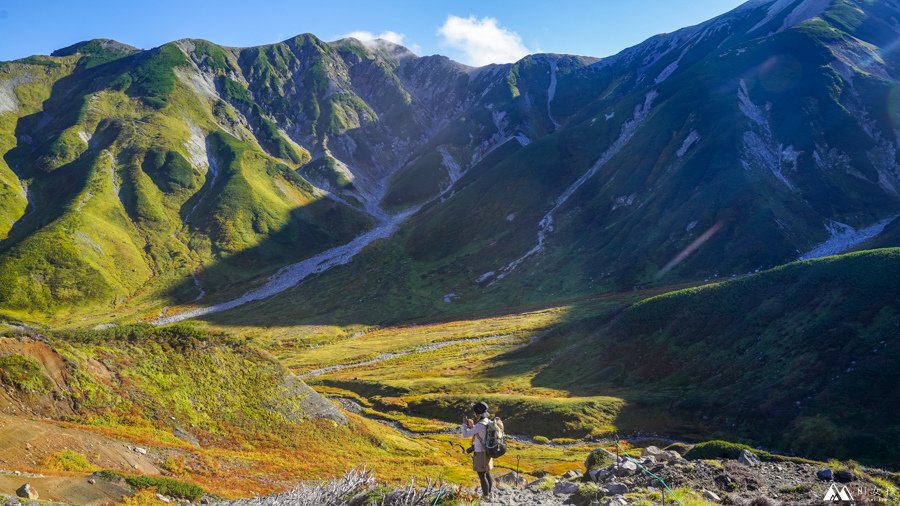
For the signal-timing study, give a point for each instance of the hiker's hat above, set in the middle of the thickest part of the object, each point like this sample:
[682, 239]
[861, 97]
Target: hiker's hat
[480, 407]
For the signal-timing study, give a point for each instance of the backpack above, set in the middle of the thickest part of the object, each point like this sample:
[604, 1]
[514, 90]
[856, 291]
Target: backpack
[495, 445]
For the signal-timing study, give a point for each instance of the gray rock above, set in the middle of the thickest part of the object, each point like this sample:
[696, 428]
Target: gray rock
[92, 481]
[616, 501]
[748, 458]
[511, 478]
[163, 498]
[565, 487]
[185, 436]
[571, 475]
[844, 476]
[600, 475]
[536, 484]
[651, 451]
[626, 468]
[617, 488]
[26, 491]
[671, 456]
[825, 474]
[711, 496]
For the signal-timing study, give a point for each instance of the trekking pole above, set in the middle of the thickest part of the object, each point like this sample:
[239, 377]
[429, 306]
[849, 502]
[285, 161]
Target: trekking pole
[617, 454]
[518, 458]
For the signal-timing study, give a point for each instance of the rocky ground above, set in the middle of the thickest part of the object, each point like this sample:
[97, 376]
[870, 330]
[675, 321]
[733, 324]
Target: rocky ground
[608, 481]
[743, 481]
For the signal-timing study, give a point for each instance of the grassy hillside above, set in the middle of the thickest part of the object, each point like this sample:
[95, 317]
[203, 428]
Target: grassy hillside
[209, 409]
[802, 357]
[136, 179]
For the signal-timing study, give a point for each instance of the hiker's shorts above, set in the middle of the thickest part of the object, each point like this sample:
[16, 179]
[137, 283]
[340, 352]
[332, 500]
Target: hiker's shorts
[481, 463]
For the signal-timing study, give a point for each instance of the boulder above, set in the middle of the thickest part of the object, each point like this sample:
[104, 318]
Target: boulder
[536, 484]
[511, 478]
[748, 458]
[571, 475]
[600, 475]
[651, 451]
[617, 488]
[844, 476]
[616, 501]
[824, 474]
[565, 487]
[26, 491]
[673, 456]
[626, 468]
[711, 496]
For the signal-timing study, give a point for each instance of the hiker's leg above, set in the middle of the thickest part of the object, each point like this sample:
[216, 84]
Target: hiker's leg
[490, 481]
[485, 484]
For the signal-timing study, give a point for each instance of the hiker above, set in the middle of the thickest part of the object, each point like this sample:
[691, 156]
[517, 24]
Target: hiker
[481, 462]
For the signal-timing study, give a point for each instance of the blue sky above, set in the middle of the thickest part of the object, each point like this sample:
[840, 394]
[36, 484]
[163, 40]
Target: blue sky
[473, 32]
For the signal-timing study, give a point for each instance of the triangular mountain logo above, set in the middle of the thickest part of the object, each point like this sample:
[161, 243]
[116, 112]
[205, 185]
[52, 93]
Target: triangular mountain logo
[835, 495]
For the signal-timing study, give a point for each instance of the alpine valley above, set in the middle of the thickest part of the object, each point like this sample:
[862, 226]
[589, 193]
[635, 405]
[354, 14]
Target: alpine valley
[693, 239]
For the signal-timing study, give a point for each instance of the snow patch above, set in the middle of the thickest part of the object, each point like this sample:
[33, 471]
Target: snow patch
[450, 297]
[609, 116]
[689, 141]
[523, 139]
[843, 237]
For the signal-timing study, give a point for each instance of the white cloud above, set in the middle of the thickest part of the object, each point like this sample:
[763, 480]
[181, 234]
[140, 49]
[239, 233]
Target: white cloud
[370, 39]
[388, 35]
[482, 41]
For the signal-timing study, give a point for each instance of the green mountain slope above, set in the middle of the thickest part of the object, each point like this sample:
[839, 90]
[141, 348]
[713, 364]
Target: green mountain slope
[135, 181]
[726, 148]
[802, 357]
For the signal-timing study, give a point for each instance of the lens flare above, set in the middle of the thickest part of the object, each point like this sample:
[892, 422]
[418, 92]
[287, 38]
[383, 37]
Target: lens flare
[692, 247]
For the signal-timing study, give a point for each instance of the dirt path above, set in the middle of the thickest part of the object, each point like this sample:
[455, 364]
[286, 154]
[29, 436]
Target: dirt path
[67, 489]
[25, 444]
[388, 356]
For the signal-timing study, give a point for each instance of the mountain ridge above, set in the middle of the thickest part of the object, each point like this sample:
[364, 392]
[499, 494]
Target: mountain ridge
[371, 130]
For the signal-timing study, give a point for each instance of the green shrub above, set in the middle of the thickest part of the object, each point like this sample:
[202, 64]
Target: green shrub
[597, 458]
[796, 489]
[588, 491]
[68, 460]
[681, 448]
[716, 450]
[24, 374]
[153, 79]
[541, 440]
[164, 486]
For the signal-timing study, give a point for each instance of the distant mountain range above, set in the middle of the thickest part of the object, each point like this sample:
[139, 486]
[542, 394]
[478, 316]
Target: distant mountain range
[187, 174]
